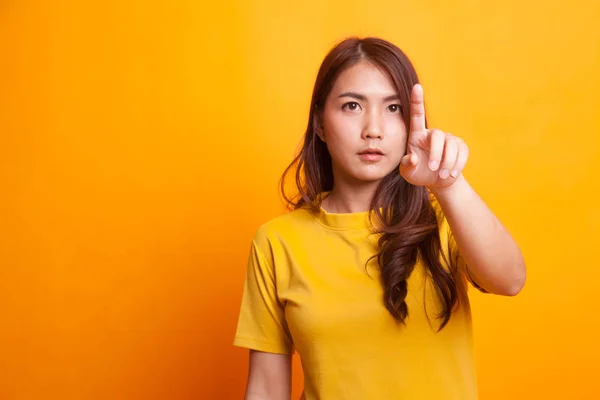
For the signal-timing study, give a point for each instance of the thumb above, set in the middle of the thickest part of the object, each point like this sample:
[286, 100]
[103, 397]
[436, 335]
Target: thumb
[408, 164]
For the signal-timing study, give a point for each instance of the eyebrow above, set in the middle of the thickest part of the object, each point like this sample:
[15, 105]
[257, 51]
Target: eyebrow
[361, 97]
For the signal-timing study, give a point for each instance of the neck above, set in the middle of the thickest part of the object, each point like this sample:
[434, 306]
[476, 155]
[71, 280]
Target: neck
[345, 198]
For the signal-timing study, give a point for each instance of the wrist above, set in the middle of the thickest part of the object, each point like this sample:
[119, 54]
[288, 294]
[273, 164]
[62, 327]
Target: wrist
[451, 191]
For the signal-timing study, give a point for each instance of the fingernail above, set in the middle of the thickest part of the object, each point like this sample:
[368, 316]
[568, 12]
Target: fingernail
[444, 173]
[433, 165]
[454, 173]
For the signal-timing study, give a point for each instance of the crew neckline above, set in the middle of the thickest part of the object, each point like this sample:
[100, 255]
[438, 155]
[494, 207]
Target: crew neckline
[353, 220]
[356, 220]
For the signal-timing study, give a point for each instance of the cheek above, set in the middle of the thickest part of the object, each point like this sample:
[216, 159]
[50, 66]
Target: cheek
[396, 134]
[396, 145]
[341, 133]
[340, 124]
[394, 125]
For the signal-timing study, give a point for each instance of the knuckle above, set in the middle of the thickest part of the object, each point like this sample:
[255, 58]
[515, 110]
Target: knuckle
[437, 135]
[451, 141]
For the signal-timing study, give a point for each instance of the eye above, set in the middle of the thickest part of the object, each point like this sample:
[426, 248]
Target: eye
[395, 108]
[351, 106]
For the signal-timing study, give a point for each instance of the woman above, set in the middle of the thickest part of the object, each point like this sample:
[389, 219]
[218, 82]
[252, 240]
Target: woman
[367, 277]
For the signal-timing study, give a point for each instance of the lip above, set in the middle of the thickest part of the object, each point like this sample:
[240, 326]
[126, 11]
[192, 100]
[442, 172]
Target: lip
[371, 154]
[371, 150]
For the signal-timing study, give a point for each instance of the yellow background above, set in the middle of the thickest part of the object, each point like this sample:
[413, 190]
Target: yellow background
[141, 144]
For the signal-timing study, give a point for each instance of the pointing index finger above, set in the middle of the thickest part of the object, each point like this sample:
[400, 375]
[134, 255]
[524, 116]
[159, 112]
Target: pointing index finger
[417, 109]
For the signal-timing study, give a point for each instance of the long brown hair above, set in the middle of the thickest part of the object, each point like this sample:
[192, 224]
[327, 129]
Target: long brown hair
[406, 219]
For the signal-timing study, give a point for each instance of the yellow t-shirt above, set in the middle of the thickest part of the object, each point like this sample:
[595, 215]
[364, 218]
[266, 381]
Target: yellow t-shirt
[307, 289]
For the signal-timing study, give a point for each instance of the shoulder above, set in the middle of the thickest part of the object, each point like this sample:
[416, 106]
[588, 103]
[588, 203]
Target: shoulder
[281, 227]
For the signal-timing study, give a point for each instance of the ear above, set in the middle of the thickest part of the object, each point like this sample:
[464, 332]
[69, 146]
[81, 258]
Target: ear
[318, 126]
[321, 135]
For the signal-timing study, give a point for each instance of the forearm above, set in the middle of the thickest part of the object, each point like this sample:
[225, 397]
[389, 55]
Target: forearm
[268, 390]
[267, 393]
[270, 376]
[258, 396]
[494, 259]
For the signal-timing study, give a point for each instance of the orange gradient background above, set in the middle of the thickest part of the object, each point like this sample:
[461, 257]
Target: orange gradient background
[141, 144]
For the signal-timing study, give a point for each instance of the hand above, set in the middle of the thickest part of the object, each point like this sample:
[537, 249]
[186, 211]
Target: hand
[434, 159]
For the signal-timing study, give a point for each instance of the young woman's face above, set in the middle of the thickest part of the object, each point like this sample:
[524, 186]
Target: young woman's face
[363, 126]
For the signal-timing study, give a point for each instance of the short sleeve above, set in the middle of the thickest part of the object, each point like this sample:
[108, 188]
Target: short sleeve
[261, 323]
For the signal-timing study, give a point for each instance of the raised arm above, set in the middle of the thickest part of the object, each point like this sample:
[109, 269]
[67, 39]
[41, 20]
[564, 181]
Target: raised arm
[435, 159]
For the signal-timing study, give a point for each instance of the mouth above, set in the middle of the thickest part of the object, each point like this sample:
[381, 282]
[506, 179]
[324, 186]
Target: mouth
[371, 151]
[371, 154]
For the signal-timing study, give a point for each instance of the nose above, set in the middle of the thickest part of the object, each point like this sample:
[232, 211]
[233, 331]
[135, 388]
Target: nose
[372, 128]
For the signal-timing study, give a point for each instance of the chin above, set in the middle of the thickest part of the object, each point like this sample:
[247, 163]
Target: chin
[365, 174]
[370, 176]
